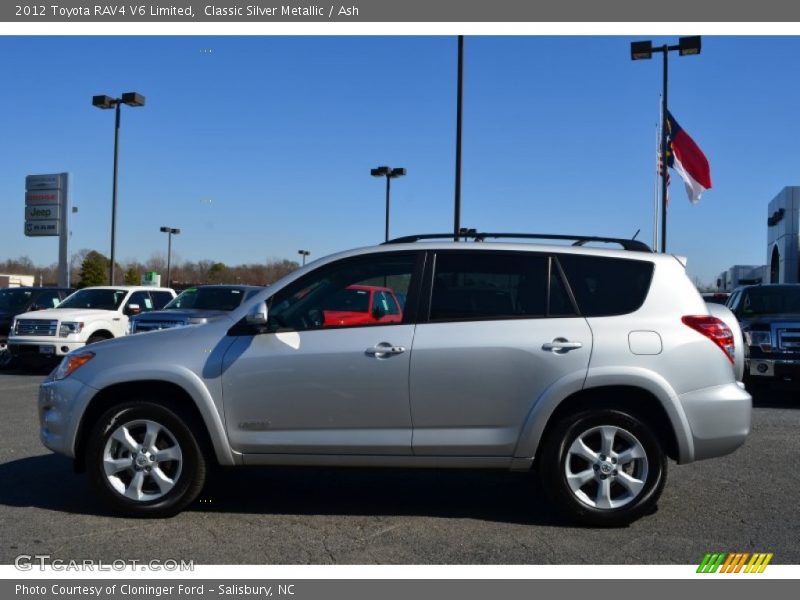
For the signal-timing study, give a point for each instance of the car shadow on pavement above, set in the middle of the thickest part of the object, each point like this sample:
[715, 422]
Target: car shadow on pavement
[49, 482]
[484, 495]
[767, 398]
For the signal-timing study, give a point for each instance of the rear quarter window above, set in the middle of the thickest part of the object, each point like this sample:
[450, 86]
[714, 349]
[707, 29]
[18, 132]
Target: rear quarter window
[605, 286]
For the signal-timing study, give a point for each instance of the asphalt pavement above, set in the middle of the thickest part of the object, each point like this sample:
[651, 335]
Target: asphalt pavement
[746, 501]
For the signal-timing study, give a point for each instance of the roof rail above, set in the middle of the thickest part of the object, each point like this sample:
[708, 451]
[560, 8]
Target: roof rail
[578, 240]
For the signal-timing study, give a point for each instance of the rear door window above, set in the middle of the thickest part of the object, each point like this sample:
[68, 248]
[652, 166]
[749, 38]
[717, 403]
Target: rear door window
[605, 286]
[496, 285]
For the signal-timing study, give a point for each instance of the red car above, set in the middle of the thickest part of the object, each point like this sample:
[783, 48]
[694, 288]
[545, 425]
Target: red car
[363, 305]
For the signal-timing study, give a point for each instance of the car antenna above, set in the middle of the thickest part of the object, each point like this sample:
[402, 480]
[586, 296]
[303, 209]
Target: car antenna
[635, 234]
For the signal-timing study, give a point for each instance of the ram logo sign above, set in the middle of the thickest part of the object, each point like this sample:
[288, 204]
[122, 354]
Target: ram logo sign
[734, 562]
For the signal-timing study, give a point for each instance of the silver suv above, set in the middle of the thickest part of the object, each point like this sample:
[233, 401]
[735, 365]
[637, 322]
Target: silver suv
[588, 366]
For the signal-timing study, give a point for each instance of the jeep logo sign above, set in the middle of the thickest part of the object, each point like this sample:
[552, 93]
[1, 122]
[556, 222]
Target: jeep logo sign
[43, 212]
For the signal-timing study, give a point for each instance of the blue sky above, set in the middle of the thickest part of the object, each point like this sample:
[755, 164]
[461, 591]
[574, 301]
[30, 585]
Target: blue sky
[259, 146]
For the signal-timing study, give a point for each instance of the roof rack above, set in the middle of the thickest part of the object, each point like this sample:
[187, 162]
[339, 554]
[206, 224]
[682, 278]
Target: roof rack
[577, 240]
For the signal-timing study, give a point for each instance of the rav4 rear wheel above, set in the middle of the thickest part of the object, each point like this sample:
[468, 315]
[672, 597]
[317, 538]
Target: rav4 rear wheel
[603, 467]
[144, 460]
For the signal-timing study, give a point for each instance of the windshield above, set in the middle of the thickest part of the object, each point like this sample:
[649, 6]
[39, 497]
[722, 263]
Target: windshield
[14, 299]
[772, 301]
[103, 299]
[210, 298]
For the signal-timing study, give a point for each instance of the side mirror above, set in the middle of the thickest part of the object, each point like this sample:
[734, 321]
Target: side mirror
[378, 312]
[257, 317]
[134, 309]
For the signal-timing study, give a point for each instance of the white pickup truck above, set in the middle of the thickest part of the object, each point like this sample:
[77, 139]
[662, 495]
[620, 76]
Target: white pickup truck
[86, 316]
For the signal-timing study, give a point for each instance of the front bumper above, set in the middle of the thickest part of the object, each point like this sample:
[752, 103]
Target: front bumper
[42, 347]
[719, 418]
[61, 404]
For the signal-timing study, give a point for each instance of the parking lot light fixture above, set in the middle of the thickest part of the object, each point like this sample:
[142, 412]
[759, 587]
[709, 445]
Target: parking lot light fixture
[170, 231]
[303, 253]
[132, 99]
[389, 173]
[643, 50]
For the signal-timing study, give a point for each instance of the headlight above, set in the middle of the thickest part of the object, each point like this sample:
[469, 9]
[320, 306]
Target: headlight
[72, 362]
[762, 339]
[69, 327]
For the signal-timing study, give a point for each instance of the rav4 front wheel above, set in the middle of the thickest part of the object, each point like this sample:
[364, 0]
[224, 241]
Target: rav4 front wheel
[144, 460]
[603, 467]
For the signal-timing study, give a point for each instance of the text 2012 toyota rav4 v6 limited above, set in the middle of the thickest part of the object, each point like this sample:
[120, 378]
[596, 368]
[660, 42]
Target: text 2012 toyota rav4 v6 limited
[589, 365]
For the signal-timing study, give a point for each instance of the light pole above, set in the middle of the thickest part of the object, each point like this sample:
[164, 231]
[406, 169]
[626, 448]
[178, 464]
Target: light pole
[390, 174]
[644, 51]
[170, 231]
[132, 99]
[459, 119]
[303, 253]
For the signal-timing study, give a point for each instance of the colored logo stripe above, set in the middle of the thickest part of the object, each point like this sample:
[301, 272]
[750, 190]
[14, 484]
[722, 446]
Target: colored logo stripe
[734, 562]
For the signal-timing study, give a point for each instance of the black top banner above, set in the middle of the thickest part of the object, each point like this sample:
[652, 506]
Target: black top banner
[492, 11]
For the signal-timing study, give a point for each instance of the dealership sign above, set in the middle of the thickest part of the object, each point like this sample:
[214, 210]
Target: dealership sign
[45, 201]
[36, 228]
[42, 212]
[35, 197]
[47, 210]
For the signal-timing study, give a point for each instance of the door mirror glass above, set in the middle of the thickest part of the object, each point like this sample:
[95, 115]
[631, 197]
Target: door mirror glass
[134, 309]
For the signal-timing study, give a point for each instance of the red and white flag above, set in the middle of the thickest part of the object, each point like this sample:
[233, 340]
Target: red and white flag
[685, 156]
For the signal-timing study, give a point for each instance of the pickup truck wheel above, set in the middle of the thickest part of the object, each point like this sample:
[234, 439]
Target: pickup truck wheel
[603, 467]
[144, 460]
[97, 337]
[5, 356]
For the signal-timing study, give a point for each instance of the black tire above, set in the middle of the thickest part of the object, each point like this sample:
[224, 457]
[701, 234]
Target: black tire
[97, 337]
[588, 504]
[187, 474]
[6, 358]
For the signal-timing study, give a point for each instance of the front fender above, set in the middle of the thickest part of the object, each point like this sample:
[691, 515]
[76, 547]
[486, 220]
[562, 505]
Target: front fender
[188, 381]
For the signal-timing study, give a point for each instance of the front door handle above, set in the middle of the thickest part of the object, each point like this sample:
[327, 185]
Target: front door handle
[383, 350]
[561, 345]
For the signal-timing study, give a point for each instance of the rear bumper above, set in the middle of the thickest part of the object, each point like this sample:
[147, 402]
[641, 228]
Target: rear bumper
[719, 418]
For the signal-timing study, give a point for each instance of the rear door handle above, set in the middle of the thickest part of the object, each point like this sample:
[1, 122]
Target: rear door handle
[383, 350]
[561, 345]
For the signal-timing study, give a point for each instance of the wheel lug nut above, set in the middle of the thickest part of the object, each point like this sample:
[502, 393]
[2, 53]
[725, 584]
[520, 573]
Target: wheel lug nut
[596, 467]
[602, 457]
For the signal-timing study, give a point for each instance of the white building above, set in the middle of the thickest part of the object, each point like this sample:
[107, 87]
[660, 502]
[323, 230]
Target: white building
[7, 281]
[783, 237]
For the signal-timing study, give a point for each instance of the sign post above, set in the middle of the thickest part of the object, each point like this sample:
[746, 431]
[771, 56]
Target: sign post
[47, 210]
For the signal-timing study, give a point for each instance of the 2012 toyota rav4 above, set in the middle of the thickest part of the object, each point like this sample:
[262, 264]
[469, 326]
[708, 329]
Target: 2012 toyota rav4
[590, 366]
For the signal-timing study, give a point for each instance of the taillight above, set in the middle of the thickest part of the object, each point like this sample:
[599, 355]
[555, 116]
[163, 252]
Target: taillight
[714, 329]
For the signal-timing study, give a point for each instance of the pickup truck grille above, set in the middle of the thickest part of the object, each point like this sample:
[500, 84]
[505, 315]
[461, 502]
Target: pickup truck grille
[36, 327]
[141, 326]
[789, 339]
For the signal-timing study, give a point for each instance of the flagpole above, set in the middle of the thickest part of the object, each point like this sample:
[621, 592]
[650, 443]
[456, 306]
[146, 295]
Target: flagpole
[665, 52]
[655, 186]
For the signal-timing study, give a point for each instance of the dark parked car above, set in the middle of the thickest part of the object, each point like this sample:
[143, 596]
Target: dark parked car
[15, 301]
[716, 297]
[770, 319]
[193, 306]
